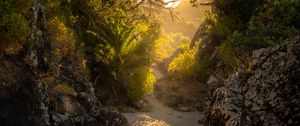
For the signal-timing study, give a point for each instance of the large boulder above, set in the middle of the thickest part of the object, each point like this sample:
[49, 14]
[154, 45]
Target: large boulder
[269, 96]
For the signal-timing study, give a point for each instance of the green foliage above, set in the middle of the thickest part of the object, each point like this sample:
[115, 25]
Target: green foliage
[62, 9]
[118, 30]
[121, 38]
[19, 6]
[13, 24]
[138, 63]
[237, 27]
[60, 21]
[167, 44]
[184, 62]
[187, 65]
[229, 55]
[142, 81]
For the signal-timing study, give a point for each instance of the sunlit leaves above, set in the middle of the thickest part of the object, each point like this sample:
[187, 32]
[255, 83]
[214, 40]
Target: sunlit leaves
[142, 27]
[60, 29]
[122, 39]
[167, 44]
[122, 24]
[142, 81]
[105, 53]
[185, 63]
[163, 48]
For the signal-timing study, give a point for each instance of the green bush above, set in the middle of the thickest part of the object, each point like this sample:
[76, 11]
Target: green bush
[140, 82]
[184, 63]
[187, 65]
[236, 28]
[121, 39]
[229, 55]
[14, 28]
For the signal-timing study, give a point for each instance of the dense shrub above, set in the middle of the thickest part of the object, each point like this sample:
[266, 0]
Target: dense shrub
[121, 39]
[184, 63]
[269, 26]
[187, 66]
[167, 44]
[62, 37]
[140, 82]
[237, 27]
[14, 27]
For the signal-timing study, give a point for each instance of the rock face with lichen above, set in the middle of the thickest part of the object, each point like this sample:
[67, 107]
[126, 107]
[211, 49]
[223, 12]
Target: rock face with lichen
[268, 96]
[36, 91]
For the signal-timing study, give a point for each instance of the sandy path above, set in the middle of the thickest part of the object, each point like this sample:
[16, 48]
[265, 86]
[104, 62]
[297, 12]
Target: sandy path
[166, 114]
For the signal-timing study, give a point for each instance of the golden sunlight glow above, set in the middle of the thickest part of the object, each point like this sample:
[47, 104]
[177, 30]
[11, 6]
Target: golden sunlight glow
[172, 4]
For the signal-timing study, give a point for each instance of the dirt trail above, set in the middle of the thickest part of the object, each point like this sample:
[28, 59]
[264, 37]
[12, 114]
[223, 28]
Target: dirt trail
[165, 114]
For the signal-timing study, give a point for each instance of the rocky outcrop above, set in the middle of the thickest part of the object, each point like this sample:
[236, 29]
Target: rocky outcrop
[46, 100]
[268, 96]
[38, 91]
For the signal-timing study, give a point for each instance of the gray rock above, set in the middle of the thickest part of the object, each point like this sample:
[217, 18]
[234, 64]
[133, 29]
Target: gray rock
[269, 97]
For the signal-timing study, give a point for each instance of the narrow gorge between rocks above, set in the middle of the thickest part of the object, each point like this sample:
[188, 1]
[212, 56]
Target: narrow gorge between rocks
[149, 63]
